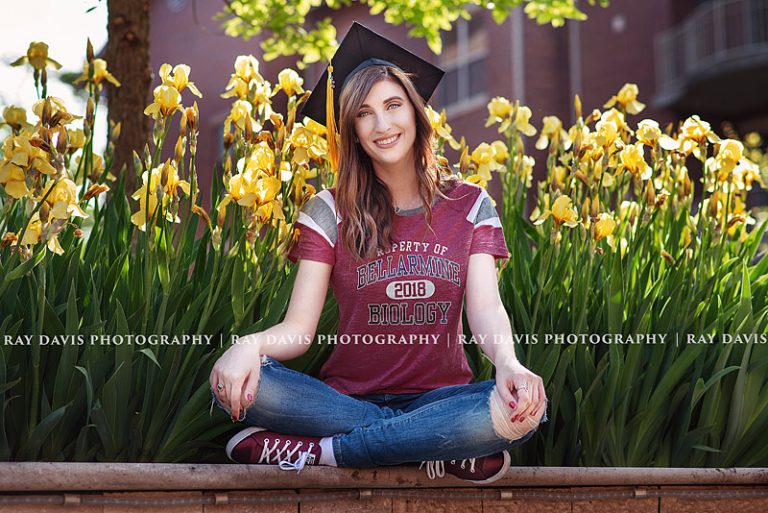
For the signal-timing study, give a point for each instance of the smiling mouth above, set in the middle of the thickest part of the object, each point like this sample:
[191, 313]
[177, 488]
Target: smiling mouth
[389, 141]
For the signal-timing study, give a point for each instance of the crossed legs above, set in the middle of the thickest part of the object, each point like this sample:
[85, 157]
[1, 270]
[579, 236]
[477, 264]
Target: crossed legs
[456, 422]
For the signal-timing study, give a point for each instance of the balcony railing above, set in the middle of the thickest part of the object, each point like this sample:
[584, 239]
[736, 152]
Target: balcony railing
[719, 34]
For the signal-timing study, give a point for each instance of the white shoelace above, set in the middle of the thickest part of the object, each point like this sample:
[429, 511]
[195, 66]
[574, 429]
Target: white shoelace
[275, 455]
[437, 468]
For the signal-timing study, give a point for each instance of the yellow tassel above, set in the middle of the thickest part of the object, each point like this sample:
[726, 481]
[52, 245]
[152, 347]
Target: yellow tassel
[333, 148]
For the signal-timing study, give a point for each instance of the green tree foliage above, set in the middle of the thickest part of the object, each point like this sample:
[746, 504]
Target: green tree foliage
[290, 34]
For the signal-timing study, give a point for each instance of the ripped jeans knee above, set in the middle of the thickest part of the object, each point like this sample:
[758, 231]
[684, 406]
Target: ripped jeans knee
[501, 415]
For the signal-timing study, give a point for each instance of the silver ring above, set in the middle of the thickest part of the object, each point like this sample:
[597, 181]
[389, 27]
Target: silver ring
[219, 387]
[524, 386]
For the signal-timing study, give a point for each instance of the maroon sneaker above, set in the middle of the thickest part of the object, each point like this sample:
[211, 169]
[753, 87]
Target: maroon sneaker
[484, 470]
[290, 452]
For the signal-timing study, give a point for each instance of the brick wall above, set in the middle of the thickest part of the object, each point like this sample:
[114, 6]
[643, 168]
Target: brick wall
[486, 500]
[611, 52]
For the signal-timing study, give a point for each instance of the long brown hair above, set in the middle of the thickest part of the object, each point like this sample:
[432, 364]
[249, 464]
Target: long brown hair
[362, 199]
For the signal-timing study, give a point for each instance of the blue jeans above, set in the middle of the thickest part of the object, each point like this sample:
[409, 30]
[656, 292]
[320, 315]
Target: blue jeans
[448, 423]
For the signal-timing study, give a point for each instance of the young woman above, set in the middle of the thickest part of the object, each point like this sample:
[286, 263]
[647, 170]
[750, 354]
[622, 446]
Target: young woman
[402, 244]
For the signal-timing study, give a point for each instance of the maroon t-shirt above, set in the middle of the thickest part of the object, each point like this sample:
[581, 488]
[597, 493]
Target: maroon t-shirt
[400, 327]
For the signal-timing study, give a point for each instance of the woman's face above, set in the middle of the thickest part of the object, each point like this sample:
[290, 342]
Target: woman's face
[386, 125]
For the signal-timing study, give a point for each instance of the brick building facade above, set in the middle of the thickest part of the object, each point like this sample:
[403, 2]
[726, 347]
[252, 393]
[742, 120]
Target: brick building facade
[540, 65]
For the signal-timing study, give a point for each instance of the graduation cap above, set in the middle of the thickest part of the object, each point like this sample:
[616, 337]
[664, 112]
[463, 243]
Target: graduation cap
[359, 49]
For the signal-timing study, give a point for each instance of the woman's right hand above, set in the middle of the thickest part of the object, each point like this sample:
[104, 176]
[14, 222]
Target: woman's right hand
[235, 377]
[239, 368]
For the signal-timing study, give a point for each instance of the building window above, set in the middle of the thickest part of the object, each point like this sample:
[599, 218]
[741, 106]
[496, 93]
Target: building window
[465, 52]
[176, 5]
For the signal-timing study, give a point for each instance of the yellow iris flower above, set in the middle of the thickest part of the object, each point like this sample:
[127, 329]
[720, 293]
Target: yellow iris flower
[62, 199]
[262, 159]
[178, 78]
[147, 194]
[307, 144]
[627, 99]
[648, 132]
[100, 74]
[262, 94]
[484, 159]
[604, 226]
[559, 174]
[499, 109]
[562, 212]
[236, 87]
[37, 230]
[302, 190]
[13, 179]
[19, 150]
[440, 126]
[633, 160]
[729, 154]
[314, 127]
[477, 179]
[526, 171]
[695, 129]
[19, 156]
[608, 128]
[147, 209]
[76, 139]
[247, 69]
[37, 57]
[745, 173]
[34, 230]
[552, 130]
[606, 134]
[522, 118]
[738, 217]
[53, 112]
[259, 192]
[500, 151]
[15, 117]
[290, 82]
[254, 190]
[239, 116]
[693, 134]
[167, 100]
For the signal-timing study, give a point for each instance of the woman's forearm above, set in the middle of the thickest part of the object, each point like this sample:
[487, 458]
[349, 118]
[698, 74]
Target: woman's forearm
[492, 330]
[283, 341]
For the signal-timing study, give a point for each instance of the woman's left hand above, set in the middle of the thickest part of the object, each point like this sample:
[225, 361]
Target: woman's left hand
[521, 389]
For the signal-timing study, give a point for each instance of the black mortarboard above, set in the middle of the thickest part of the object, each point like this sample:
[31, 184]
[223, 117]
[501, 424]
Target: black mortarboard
[360, 48]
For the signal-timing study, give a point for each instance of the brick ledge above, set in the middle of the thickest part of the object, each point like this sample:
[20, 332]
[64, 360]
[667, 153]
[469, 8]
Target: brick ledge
[57, 476]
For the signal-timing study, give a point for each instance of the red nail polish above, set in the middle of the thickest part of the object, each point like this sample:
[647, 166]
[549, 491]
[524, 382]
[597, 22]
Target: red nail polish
[514, 418]
[513, 405]
[250, 397]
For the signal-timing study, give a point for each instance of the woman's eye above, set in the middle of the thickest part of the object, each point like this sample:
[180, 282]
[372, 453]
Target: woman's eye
[363, 113]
